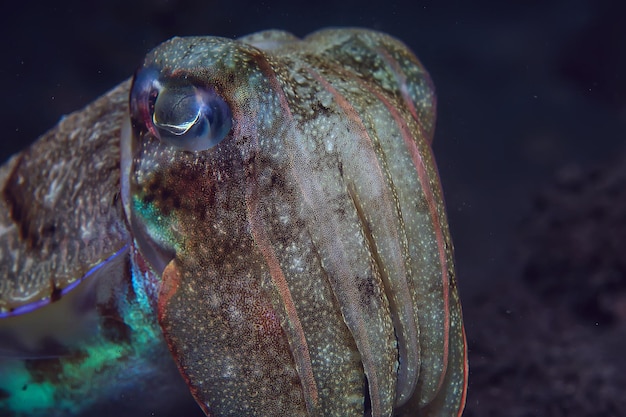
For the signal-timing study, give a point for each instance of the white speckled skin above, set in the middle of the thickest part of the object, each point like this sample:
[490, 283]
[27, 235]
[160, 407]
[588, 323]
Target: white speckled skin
[306, 264]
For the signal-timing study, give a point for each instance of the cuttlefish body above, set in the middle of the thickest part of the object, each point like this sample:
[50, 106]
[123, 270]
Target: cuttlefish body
[270, 215]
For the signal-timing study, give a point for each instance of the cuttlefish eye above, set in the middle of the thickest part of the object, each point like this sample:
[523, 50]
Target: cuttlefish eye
[190, 117]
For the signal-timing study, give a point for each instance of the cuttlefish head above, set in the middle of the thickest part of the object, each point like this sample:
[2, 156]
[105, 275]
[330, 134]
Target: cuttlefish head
[285, 196]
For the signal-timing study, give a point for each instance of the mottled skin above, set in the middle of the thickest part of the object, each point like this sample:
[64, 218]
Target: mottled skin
[98, 350]
[302, 266]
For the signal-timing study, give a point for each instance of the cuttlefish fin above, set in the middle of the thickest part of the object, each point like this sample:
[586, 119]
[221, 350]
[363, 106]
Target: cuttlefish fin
[61, 215]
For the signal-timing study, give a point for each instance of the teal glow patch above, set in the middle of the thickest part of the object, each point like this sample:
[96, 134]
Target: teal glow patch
[158, 227]
[24, 395]
[100, 368]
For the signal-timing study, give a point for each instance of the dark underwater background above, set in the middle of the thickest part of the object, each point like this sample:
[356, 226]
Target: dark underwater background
[529, 142]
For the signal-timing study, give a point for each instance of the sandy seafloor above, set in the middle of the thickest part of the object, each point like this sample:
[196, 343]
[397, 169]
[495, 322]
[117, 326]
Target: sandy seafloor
[529, 143]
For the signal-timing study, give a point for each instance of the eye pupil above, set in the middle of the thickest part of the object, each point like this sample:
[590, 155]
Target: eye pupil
[177, 111]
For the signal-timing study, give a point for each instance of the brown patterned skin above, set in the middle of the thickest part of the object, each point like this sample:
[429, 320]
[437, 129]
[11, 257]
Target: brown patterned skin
[305, 260]
[56, 201]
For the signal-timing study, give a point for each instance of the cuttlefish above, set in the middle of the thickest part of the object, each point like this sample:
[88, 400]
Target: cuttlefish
[258, 222]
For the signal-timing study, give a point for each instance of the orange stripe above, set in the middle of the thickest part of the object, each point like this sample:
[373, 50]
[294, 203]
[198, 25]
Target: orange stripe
[465, 372]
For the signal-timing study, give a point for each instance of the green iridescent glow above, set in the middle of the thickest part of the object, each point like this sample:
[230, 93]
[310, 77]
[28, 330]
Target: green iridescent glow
[25, 396]
[158, 226]
[99, 364]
